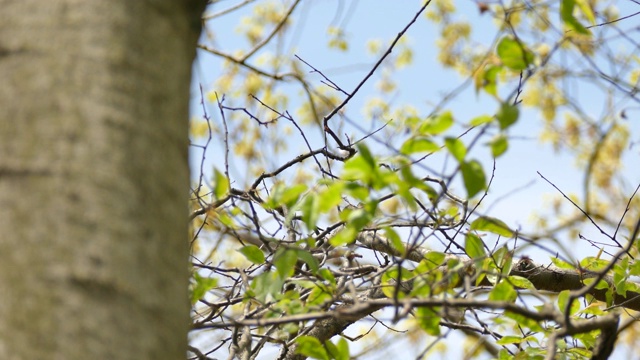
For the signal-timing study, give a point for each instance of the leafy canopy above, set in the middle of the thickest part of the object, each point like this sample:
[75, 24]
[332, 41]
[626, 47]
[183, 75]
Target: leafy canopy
[345, 193]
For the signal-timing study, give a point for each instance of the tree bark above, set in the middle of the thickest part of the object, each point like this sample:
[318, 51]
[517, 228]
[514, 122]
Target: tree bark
[94, 178]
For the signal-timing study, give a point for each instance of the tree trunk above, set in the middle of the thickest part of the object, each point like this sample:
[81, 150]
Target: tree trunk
[94, 178]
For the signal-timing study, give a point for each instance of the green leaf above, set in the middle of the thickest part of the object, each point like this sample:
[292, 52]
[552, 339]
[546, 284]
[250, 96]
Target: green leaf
[311, 347]
[456, 147]
[310, 208]
[503, 260]
[473, 176]
[422, 286]
[587, 11]
[473, 246]
[524, 321]
[480, 120]
[356, 168]
[220, 184]
[201, 286]
[410, 180]
[306, 256]
[492, 225]
[285, 195]
[291, 304]
[600, 286]
[402, 188]
[227, 220]
[407, 175]
[266, 286]
[500, 254]
[306, 284]
[319, 295]
[490, 79]
[343, 348]
[429, 320]
[514, 54]
[358, 191]
[505, 355]
[593, 309]
[632, 286]
[418, 144]
[339, 351]
[366, 154]
[490, 270]
[361, 167]
[503, 292]
[579, 353]
[634, 268]
[593, 264]
[566, 14]
[510, 339]
[507, 115]
[331, 349]
[285, 261]
[390, 279]
[521, 283]
[358, 218]
[331, 196]
[364, 167]
[619, 282]
[622, 266]
[562, 264]
[608, 295]
[326, 274]
[506, 265]
[589, 340]
[434, 259]
[499, 145]
[393, 237]
[345, 236]
[437, 124]
[253, 254]
[396, 273]
[563, 300]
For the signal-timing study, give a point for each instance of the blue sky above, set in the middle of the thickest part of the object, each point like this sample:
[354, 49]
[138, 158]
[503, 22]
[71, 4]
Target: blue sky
[420, 85]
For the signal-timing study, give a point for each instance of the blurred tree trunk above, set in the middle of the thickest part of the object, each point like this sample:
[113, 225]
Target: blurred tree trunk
[94, 178]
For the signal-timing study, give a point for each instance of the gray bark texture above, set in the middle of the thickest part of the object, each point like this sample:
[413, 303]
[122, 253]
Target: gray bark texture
[94, 178]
